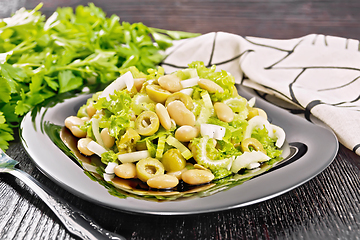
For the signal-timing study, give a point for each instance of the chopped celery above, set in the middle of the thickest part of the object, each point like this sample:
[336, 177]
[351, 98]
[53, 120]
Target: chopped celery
[160, 146]
[201, 155]
[207, 100]
[142, 102]
[185, 152]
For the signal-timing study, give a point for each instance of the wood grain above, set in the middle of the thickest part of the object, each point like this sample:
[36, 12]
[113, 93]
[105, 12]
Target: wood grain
[272, 19]
[326, 207]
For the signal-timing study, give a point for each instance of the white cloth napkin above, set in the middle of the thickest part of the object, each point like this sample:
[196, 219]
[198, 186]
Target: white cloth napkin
[320, 74]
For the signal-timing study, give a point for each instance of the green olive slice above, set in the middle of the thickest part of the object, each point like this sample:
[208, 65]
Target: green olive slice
[173, 160]
[148, 167]
[157, 93]
[253, 142]
[147, 123]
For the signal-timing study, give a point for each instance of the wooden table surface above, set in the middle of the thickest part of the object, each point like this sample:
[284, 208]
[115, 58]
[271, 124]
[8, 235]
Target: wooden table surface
[326, 207]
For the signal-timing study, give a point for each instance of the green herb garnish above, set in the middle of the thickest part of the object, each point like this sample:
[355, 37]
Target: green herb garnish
[40, 58]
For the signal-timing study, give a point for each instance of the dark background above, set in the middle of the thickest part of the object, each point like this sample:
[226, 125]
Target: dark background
[326, 207]
[260, 18]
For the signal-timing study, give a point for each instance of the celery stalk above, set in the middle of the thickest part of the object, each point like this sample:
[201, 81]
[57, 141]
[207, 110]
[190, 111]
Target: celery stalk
[185, 152]
[160, 147]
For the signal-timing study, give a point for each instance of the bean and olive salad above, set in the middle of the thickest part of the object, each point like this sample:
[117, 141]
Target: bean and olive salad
[187, 128]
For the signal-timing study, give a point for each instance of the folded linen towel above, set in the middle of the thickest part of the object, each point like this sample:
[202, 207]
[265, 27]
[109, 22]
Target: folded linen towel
[320, 74]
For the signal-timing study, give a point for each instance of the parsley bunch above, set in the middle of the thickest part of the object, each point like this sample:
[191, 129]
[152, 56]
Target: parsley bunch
[40, 58]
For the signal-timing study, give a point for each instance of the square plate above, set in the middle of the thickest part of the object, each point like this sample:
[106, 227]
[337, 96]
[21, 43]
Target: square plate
[320, 143]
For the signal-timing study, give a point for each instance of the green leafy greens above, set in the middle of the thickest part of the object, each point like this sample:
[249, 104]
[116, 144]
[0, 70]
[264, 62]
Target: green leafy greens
[40, 58]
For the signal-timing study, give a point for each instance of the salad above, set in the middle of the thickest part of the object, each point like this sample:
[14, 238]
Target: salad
[163, 135]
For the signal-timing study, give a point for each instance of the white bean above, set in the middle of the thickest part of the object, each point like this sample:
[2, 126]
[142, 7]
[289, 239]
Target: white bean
[125, 170]
[223, 112]
[171, 82]
[138, 83]
[82, 146]
[197, 176]
[210, 86]
[90, 109]
[73, 123]
[163, 181]
[107, 139]
[163, 116]
[181, 115]
[186, 133]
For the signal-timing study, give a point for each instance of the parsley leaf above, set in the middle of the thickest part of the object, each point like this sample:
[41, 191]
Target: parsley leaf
[5, 132]
[41, 58]
[68, 81]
